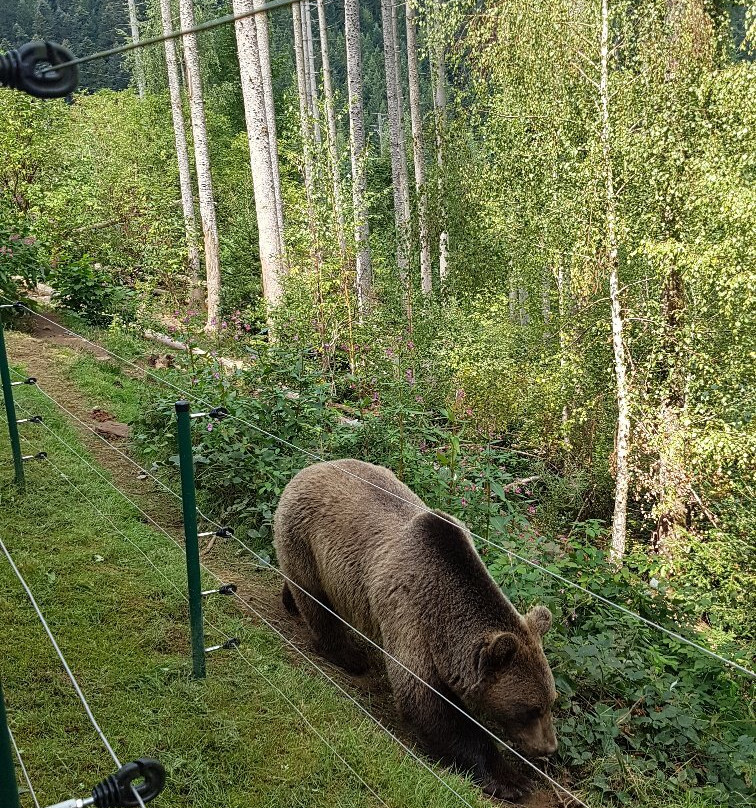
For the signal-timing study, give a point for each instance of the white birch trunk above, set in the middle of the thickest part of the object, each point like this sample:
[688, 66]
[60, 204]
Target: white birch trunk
[619, 519]
[403, 173]
[253, 90]
[426, 277]
[138, 64]
[330, 112]
[396, 140]
[304, 96]
[313, 81]
[202, 165]
[439, 100]
[358, 155]
[196, 294]
[263, 46]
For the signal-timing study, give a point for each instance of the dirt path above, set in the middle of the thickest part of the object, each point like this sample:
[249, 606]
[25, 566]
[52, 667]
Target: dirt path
[47, 351]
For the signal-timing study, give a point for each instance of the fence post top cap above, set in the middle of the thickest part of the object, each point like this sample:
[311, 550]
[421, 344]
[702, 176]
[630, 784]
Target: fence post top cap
[182, 406]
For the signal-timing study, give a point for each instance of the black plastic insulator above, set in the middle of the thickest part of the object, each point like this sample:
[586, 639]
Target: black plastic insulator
[17, 306]
[40, 456]
[20, 69]
[219, 413]
[35, 419]
[31, 380]
[227, 589]
[234, 642]
[117, 790]
[225, 533]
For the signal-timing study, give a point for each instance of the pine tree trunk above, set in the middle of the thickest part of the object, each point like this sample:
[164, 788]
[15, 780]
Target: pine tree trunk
[202, 166]
[256, 114]
[330, 112]
[263, 46]
[196, 294]
[138, 65]
[358, 154]
[313, 80]
[426, 277]
[396, 140]
[622, 447]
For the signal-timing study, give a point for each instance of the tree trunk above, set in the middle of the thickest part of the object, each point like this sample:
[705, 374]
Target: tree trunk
[439, 101]
[622, 448]
[396, 139]
[196, 294]
[358, 155]
[263, 46]
[256, 114]
[138, 65]
[330, 112]
[563, 286]
[313, 80]
[426, 277]
[304, 96]
[403, 173]
[202, 166]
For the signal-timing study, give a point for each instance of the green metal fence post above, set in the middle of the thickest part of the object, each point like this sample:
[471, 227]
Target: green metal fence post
[189, 504]
[8, 786]
[10, 411]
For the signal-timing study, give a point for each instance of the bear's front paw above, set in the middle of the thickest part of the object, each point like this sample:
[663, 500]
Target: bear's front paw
[513, 786]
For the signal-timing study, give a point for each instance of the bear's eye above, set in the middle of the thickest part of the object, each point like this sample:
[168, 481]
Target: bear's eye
[528, 714]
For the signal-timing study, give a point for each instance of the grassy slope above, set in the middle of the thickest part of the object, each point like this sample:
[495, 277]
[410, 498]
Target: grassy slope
[233, 739]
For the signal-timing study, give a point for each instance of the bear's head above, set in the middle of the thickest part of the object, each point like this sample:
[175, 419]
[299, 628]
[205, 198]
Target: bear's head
[514, 691]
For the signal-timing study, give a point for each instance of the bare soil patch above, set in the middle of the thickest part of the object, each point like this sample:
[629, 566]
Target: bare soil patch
[47, 350]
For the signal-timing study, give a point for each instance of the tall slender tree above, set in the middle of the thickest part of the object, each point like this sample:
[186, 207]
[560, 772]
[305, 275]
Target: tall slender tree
[396, 140]
[196, 293]
[330, 112]
[263, 46]
[358, 154]
[137, 56]
[622, 447]
[312, 75]
[202, 166]
[304, 97]
[413, 73]
[263, 179]
[439, 103]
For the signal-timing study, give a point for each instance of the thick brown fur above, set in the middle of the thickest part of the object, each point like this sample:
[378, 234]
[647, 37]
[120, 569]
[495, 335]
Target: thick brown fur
[414, 584]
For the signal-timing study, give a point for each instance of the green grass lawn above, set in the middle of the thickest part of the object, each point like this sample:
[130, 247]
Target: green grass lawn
[235, 739]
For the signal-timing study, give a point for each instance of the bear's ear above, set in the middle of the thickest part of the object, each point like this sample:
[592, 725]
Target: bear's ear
[496, 653]
[539, 617]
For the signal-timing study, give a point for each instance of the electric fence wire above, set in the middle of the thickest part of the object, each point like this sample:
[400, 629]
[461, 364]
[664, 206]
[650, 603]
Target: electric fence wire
[367, 639]
[223, 634]
[66, 667]
[217, 22]
[511, 553]
[23, 769]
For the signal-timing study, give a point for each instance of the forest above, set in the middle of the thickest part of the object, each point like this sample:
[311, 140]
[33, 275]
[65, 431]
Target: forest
[505, 249]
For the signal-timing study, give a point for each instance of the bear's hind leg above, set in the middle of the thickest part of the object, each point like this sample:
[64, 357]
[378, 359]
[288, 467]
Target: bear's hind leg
[333, 640]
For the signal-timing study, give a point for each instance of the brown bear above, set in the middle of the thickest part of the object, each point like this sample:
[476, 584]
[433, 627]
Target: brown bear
[412, 582]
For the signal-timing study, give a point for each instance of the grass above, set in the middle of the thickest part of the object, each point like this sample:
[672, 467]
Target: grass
[234, 739]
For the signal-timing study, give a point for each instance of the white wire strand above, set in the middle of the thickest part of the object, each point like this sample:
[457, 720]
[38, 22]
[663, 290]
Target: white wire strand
[69, 672]
[255, 667]
[512, 554]
[267, 563]
[23, 769]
